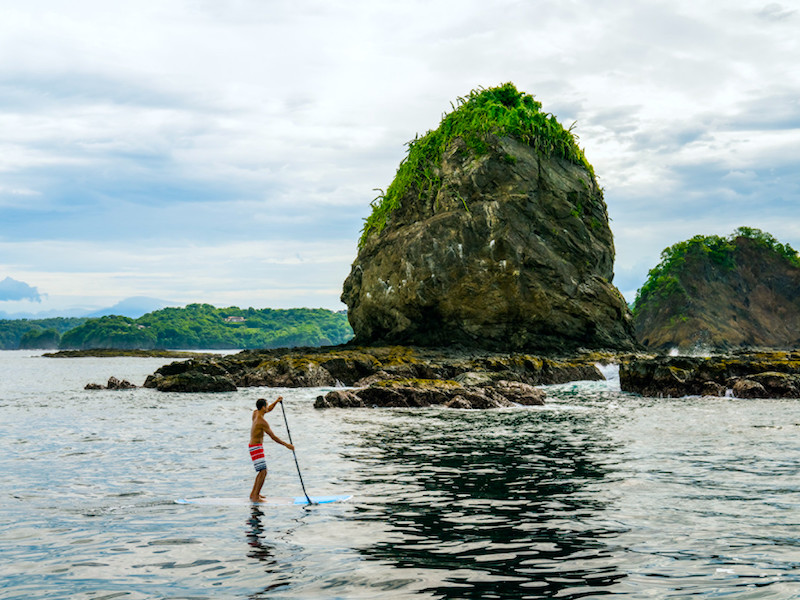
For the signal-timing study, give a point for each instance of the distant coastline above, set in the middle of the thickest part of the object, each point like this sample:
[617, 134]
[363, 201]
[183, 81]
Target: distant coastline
[112, 352]
[194, 327]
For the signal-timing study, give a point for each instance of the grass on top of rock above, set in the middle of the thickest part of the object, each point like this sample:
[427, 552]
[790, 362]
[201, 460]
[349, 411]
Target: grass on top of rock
[662, 280]
[500, 111]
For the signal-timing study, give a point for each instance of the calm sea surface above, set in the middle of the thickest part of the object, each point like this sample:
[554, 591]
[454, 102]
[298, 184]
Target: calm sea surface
[598, 493]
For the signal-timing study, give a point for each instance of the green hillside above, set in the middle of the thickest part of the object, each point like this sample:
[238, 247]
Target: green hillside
[197, 326]
[34, 333]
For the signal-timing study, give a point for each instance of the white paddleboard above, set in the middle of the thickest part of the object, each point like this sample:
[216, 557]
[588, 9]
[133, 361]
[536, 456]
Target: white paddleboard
[275, 501]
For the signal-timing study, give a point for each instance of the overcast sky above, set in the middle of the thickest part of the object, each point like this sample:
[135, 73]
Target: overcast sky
[227, 151]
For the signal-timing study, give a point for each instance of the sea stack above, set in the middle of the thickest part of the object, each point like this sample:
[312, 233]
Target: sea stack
[494, 234]
[714, 293]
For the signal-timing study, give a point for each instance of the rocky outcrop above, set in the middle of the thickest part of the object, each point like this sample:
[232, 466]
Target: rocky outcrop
[507, 248]
[722, 294]
[194, 382]
[420, 393]
[113, 384]
[365, 367]
[741, 375]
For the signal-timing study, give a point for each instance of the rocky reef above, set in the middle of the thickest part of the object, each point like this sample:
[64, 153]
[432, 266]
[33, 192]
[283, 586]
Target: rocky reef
[494, 235]
[383, 376]
[432, 392]
[113, 384]
[774, 374]
[720, 294]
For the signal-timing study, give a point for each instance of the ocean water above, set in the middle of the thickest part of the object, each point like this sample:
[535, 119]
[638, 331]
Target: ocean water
[598, 493]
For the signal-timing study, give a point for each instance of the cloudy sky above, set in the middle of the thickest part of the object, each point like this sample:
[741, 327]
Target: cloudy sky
[226, 151]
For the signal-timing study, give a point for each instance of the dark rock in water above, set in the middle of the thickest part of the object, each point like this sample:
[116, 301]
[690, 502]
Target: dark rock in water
[427, 392]
[508, 248]
[774, 385]
[711, 388]
[746, 388]
[113, 384]
[722, 294]
[192, 382]
[748, 375]
[353, 366]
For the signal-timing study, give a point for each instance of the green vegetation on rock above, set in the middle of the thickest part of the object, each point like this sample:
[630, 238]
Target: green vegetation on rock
[500, 111]
[663, 282]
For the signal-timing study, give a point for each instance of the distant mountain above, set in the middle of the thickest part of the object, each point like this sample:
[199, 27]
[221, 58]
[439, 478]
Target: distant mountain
[68, 313]
[133, 307]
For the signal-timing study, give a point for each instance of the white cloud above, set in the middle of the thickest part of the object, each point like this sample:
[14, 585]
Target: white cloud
[226, 126]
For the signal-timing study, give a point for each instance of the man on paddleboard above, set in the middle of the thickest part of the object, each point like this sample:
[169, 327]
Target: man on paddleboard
[257, 431]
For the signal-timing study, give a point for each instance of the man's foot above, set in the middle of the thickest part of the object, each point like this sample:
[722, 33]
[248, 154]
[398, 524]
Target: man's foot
[256, 498]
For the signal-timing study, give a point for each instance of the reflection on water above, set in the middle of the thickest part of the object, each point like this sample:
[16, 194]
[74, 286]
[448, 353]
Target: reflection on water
[503, 504]
[597, 493]
[263, 552]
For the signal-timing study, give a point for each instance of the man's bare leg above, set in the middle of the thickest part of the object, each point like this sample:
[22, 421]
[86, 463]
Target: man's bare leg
[255, 495]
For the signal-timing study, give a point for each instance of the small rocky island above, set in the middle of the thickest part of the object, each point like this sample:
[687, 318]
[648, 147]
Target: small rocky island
[494, 234]
[732, 304]
[717, 294]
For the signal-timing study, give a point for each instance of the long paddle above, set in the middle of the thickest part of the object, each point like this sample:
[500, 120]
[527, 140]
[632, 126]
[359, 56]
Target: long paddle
[303, 485]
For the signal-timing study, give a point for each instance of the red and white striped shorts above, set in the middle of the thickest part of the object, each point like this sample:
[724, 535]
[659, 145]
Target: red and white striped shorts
[257, 454]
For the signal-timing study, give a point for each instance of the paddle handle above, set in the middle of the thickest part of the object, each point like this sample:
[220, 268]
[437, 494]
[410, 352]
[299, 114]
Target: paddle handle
[299, 474]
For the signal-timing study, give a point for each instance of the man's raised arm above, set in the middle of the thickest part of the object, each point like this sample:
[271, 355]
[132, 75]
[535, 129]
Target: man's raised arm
[274, 404]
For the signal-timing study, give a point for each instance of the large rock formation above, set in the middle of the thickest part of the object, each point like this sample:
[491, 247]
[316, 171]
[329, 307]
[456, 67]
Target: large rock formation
[500, 242]
[718, 293]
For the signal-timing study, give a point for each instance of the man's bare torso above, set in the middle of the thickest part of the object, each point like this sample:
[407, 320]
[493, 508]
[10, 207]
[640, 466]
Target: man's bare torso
[258, 429]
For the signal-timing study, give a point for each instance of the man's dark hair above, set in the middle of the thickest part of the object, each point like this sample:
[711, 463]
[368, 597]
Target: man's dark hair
[260, 403]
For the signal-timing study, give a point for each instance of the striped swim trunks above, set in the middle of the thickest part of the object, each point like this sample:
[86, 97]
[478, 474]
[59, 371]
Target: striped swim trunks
[257, 454]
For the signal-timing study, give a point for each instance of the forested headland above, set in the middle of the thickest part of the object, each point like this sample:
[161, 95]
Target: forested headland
[196, 326]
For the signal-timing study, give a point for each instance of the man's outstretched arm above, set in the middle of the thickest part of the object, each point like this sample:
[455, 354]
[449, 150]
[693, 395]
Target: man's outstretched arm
[268, 431]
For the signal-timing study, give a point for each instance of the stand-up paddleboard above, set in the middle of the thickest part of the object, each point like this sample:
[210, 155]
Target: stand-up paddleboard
[277, 501]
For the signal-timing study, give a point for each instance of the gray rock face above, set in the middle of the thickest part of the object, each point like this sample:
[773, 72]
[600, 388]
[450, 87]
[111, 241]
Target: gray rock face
[513, 252]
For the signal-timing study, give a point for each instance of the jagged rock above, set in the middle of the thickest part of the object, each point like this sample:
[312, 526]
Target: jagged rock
[520, 393]
[771, 374]
[508, 249]
[459, 402]
[113, 384]
[290, 372]
[472, 378]
[720, 294]
[426, 392]
[194, 382]
[117, 384]
[777, 385]
[747, 388]
[339, 399]
[711, 388]
[354, 366]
